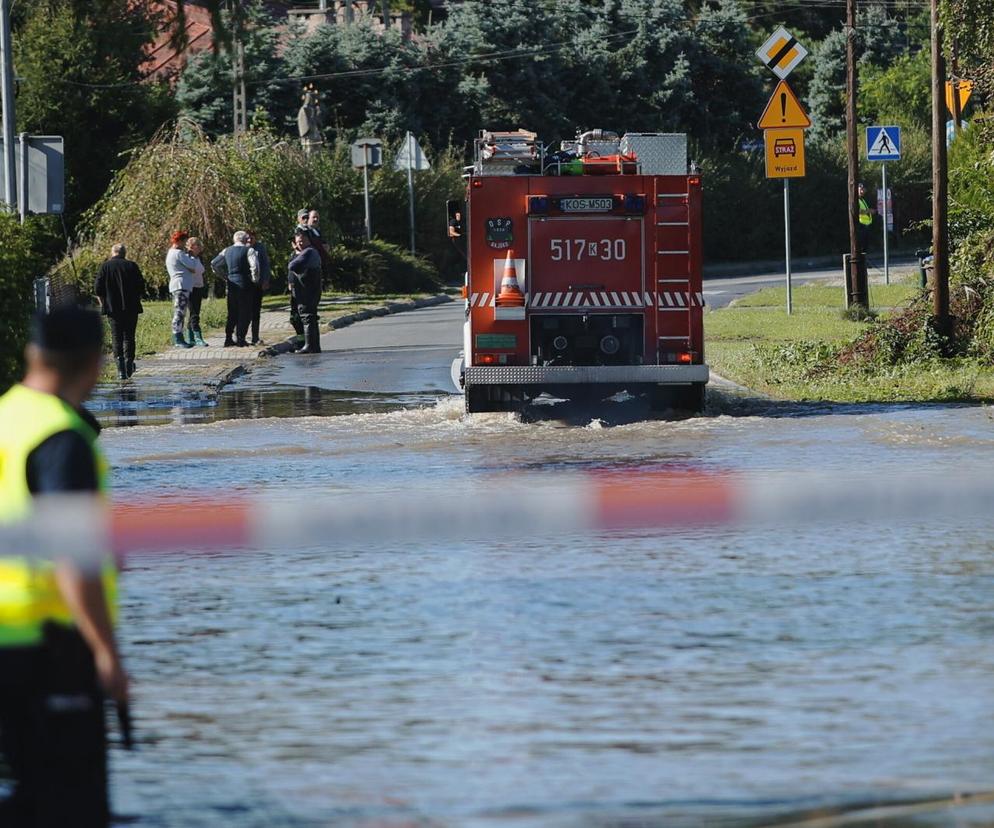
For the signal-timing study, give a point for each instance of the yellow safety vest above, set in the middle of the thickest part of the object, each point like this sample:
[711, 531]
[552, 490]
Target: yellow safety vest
[865, 216]
[29, 594]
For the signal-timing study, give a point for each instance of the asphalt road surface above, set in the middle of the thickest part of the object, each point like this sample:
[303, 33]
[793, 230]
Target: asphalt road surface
[719, 291]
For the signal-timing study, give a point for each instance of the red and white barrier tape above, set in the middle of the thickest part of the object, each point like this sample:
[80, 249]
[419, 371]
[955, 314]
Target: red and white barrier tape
[518, 506]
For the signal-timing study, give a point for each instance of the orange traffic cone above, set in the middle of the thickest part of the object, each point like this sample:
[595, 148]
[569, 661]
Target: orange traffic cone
[510, 293]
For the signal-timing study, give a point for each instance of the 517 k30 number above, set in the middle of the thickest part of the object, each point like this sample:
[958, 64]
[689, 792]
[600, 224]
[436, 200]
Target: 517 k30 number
[576, 250]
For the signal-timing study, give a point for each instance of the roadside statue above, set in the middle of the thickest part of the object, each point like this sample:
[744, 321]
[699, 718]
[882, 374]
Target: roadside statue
[309, 121]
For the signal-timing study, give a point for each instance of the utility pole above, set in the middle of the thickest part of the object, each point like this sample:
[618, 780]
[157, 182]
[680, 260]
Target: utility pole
[940, 189]
[7, 91]
[954, 79]
[856, 279]
[349, 16]
[239, 108]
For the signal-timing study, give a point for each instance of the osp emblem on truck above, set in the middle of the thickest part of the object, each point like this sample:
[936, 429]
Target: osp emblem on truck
[500, 232]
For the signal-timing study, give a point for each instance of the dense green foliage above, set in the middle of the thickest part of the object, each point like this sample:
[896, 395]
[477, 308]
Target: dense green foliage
[184, 180]
[18, 268]
[633, 65]
[78, 66]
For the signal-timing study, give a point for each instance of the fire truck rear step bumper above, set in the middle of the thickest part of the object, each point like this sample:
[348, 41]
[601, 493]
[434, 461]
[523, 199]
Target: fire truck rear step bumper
[585, 374]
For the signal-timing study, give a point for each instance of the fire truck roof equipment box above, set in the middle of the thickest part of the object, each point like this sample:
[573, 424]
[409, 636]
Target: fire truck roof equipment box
[658, 153]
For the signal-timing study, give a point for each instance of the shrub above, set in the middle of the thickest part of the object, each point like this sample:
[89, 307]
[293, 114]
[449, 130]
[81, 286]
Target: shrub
[380, 267]
[17, 271]
[256, 180]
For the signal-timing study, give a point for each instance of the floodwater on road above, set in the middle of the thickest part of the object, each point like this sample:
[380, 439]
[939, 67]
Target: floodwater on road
[713, 676]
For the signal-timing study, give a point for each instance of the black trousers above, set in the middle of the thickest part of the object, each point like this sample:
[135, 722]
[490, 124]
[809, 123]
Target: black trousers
[122, 330]
[196, 300]
[53, 736]
[239, 311]
[256, 311]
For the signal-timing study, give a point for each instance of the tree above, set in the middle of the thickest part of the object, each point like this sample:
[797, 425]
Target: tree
[79, 66]
[970, 26]
[204, 90]
[368, 82]
[901, 93]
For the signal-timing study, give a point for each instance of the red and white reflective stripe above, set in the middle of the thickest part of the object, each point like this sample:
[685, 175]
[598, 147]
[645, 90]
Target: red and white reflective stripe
[517, 506]
[680, 299]
[607, 300]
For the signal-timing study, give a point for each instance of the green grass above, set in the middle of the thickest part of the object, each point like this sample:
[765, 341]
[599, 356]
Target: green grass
[827, 296]
[755, 343]
[281, 301]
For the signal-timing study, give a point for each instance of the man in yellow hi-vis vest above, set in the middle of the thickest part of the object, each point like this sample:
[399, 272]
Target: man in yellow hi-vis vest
[58, 656]
[865, 219]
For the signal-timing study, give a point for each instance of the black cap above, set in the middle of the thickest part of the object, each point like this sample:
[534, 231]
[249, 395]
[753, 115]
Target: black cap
[68, 329]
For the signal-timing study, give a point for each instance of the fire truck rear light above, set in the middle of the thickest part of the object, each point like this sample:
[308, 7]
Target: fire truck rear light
[491, 359]
[694, 180]
[477, 183]
[634, 203]
[684, 358]
[538, 204]
[464, 292]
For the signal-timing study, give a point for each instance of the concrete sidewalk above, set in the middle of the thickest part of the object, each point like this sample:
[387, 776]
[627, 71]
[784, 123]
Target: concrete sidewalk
[215, 361]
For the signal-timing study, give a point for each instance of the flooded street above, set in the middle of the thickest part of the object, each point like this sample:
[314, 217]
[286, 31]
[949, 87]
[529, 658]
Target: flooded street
[705, 677]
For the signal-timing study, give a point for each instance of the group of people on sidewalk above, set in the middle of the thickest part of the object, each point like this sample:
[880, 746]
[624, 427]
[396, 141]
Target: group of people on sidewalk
[247, 273]
[245, 268]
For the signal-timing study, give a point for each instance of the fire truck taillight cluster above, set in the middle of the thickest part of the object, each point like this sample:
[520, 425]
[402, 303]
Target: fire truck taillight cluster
[680, 358]
[491, 359]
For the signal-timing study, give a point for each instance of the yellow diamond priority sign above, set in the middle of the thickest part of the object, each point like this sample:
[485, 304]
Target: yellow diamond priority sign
[784, 153]
[781, 53]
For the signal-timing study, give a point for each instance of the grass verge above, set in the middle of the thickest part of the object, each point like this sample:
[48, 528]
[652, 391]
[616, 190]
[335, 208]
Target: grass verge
[754, 343]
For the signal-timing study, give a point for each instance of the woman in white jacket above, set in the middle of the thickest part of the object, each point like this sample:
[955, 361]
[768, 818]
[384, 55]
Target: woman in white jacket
[180, 266]
[195, 248]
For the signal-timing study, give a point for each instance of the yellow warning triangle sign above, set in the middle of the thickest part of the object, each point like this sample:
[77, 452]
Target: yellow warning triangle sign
[784, 110]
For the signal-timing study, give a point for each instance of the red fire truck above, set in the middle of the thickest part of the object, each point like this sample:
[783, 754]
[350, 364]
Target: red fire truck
[584, 271]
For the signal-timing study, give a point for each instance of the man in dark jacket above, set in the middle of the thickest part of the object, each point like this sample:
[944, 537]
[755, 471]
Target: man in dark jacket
[305, 286]
[239, 264]
[119, 288]
[265, 277]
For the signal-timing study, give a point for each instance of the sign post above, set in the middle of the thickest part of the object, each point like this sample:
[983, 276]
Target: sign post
[883, 144]
[366, 153]
[411, 157]
[783, 123]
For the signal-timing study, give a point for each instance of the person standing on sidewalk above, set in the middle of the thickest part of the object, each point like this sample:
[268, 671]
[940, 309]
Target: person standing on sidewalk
[180, 266]
[240, 267]
[58, 655]
[119, 287]
[265, 278]
[302, 227]
[314, 228]
[305, 281]
[197, 291]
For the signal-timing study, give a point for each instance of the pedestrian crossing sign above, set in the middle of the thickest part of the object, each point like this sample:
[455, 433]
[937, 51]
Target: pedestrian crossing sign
[883, 143]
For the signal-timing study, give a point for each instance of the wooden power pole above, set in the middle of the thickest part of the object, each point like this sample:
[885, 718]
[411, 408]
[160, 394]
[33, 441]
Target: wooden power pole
[856, 281]
[238, 98]
[940, 188]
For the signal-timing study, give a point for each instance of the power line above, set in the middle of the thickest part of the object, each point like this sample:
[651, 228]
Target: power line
[506, 55]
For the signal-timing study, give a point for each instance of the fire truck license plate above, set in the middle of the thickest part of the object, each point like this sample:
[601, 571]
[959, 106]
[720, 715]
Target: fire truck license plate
[566, 254]
[588, 204]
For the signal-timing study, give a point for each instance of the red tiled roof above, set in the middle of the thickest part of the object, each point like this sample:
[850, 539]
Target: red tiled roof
[164, 58]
